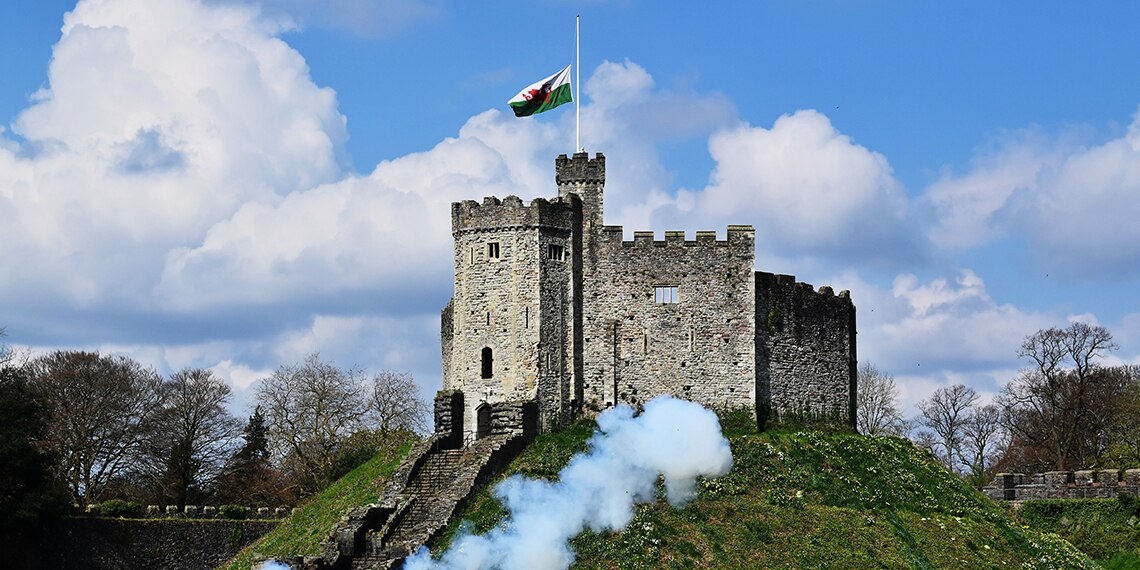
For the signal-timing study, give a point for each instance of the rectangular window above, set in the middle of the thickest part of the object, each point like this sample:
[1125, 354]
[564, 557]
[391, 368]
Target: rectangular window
[493, 250]
[556, 252]
[665, 295]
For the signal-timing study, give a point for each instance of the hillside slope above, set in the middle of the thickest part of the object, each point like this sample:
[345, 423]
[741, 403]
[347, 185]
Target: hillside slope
[310, 524]
[805, 500]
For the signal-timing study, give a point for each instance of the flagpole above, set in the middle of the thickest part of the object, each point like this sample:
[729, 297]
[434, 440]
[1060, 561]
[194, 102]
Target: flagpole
[578, 83]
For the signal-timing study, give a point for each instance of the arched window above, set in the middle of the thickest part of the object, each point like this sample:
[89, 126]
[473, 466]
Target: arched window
[487, 360]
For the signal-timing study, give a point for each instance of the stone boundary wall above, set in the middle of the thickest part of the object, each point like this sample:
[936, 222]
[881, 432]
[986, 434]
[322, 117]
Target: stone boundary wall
[127, 544]
[806, 359]
[198, 512]
[1085, 484]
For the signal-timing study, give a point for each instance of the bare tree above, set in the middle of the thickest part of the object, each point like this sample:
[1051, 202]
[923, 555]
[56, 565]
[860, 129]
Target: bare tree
[945, 413]
[1060, 402]
[395, 400]
[982, 439]
[98, 407]
[310, 409]
[876, 403]
[10, 356]
[191, 437]
[1125, 428]
[926, 439]
[6, 353]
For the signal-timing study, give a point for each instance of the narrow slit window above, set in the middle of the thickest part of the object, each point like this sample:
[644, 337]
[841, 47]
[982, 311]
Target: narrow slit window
[556, 252]
[526, 317]
[487, 360]
[493, 250]
[666, 295]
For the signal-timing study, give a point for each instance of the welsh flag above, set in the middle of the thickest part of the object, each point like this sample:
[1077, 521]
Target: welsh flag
[543, 95]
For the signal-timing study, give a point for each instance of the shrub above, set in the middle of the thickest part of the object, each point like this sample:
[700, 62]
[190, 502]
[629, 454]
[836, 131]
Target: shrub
[233, 512]
[738, 421]
[119, 508]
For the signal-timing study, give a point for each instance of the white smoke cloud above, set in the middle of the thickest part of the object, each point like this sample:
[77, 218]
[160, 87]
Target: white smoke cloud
[598, 489]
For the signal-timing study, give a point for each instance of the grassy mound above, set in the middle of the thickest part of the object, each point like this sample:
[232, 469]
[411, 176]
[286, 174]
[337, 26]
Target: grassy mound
[302, 533]
[804, 500]
[1106, 529]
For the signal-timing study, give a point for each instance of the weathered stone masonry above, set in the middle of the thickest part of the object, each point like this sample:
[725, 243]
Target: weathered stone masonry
[805, 348]
[174, 544]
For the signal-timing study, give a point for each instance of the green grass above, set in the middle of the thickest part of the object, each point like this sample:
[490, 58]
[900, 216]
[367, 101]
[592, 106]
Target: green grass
[794, 499]
[304, 531]
[803, 500]
[1106, 529]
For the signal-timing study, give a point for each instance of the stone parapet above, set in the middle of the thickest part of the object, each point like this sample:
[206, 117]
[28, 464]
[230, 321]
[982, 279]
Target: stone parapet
[1082, 484]
[199, 512]
[510, 212]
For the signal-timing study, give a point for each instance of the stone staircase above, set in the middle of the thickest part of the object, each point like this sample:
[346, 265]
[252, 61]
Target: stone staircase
[423, 495]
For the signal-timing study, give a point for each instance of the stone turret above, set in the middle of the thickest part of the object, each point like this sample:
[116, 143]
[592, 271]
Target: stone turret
[585, 177]
[508, 332]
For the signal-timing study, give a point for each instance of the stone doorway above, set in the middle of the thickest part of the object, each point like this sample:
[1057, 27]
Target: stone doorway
[483, 421]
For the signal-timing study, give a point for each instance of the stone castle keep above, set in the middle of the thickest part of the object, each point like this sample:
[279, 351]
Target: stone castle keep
[551, 306]
[554, 314]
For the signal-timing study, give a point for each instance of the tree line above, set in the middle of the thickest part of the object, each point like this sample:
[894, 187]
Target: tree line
[1063, 410]
[80, 427]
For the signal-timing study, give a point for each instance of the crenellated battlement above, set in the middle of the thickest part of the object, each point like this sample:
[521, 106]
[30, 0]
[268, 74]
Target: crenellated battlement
[1086, 484]
[788, 283]
[511, 211]
[742, 236]
[580, 169]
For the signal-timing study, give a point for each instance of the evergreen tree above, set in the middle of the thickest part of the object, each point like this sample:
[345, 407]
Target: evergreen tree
[30, 495]
[250, 477]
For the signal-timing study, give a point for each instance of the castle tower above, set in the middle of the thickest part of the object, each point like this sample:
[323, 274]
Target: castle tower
[508, 332]
[585, 178]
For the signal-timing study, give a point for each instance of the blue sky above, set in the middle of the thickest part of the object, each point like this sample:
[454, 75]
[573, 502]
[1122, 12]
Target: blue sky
[233, 185]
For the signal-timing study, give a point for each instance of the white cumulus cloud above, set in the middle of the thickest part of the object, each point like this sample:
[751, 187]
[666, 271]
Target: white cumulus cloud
[1074, 204]
[158, 119]
[807, 188]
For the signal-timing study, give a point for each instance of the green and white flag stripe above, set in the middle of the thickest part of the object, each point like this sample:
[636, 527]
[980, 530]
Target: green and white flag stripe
[543, 95]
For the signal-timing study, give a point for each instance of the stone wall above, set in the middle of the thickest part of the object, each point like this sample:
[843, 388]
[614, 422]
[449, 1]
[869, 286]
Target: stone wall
[805, 351]
[698, 345]
[449, 419]
[199, 512]
[1089, 484]
[128, 544]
